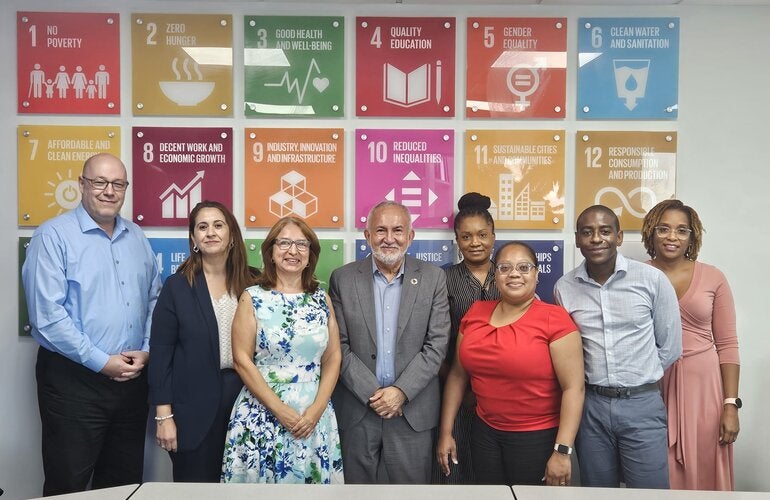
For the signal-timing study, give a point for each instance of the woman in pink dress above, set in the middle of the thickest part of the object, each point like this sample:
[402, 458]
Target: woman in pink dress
[701, 388]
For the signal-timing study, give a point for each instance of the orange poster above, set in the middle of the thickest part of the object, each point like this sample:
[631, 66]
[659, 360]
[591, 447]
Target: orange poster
[294, 171]
[522, 171]
[50, 160]
[630, 172]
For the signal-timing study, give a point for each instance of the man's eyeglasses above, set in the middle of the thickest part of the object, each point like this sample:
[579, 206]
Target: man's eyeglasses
[521, 267]
[286, 243]
[101, 184]
[682, 233]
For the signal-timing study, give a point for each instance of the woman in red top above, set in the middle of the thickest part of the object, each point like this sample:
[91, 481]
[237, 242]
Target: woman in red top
[524, 359]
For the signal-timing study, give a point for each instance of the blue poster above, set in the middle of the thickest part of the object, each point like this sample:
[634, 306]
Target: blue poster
[628, 68]
[170, 253]
[438, 252]
[550, 264]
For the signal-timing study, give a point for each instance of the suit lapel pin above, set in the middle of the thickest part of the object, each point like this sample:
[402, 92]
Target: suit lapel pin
[414, 281]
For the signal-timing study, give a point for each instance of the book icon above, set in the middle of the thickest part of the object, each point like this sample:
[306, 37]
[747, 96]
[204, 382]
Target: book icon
[409, 89]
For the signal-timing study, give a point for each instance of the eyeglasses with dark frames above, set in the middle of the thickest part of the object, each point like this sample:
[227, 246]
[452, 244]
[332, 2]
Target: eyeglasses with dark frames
[101, 184]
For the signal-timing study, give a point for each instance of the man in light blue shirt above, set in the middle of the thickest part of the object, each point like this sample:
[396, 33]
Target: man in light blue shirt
[628, 316]
[393, 314]
[91, 282]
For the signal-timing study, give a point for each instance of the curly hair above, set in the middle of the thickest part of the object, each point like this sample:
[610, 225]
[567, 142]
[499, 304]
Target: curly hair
[653, 217]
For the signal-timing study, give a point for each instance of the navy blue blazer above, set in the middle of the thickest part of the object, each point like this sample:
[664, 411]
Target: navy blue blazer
[184, 358]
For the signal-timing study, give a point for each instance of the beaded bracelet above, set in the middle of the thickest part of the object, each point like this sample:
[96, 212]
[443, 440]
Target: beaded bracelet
[165, 417]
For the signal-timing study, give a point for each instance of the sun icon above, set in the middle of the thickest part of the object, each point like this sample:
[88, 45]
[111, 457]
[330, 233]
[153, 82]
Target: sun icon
[66, 192]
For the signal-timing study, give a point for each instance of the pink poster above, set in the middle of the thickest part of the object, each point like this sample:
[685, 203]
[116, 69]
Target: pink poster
[174, 168]
[412, 167]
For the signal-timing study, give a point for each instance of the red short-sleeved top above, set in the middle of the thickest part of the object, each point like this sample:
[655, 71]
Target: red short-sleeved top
[510, 367]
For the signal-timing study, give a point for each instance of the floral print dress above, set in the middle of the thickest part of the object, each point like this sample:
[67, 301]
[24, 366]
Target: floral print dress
[292, 334]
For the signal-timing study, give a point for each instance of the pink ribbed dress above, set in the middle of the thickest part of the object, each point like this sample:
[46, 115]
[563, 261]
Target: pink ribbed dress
[693, 385]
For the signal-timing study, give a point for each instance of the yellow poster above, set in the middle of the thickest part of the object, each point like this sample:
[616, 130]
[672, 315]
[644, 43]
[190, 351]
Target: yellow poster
[522, 171]
[50, 160]
[629, 172]
[294, 171]
[182, 64]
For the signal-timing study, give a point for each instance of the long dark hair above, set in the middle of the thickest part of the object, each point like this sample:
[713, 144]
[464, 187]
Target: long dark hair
[237, 273]
[269, 277]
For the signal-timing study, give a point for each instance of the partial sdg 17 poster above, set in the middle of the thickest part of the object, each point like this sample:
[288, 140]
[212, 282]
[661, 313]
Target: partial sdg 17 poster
[68, 63]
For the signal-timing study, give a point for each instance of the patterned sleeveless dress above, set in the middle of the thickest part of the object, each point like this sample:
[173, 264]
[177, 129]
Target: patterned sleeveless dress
[292, 334]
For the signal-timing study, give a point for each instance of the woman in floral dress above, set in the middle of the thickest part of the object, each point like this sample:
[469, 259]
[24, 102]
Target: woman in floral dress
[286, 349]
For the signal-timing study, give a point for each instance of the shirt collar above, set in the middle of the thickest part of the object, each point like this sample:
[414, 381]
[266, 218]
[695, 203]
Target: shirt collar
[621, 264]
[376, 271]
[490, 274]
[88, 224]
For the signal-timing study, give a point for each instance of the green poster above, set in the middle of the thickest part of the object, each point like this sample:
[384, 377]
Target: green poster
[294, 66]
[24, 328]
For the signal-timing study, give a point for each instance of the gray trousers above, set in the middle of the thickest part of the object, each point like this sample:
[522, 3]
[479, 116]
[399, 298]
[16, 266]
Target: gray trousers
[623, 439]
[386, 451]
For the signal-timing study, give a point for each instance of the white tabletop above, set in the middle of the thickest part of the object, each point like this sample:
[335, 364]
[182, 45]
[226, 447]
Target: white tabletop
[116, 493]
[585, 493]
[201, 491]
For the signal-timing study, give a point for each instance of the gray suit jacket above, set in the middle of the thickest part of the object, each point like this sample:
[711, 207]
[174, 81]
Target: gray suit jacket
[421, 342]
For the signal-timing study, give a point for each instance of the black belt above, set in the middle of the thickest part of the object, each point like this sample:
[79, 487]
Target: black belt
[621, 392]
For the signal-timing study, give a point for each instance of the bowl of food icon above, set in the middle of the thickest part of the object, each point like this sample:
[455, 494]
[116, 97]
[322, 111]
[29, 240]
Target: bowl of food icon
[187, 93]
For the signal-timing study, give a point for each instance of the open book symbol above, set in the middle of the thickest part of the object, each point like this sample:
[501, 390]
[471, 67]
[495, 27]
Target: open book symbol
[410, 89]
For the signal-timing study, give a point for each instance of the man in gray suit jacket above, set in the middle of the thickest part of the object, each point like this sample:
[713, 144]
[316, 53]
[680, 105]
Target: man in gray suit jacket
[393, 315]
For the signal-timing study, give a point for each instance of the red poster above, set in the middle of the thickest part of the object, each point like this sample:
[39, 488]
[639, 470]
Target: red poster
[174, 168]
[517, 67]
[68, 62]
[405, 66]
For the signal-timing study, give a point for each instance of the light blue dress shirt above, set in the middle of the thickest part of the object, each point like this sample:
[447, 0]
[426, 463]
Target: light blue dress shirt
[90, 296]
[387, 300]
[630, 325]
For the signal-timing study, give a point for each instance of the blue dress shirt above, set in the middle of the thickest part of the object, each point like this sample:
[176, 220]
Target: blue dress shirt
[387, 299]
[90, 296]
[630, 325]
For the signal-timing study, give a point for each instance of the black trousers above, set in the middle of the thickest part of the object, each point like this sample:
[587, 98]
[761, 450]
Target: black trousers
[93, 427]
[204, 464]
[502, 457]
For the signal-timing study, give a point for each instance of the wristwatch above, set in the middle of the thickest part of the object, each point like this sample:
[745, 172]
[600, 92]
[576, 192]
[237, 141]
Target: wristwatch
[734, 401]
[562, 448]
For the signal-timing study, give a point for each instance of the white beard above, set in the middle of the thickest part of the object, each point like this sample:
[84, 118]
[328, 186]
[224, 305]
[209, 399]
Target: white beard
[389, 259]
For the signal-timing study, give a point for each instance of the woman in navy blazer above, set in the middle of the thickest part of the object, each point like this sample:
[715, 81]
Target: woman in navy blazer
[191, 377]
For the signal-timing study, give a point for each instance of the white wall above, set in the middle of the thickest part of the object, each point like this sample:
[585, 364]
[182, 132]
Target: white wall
[724, 96]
